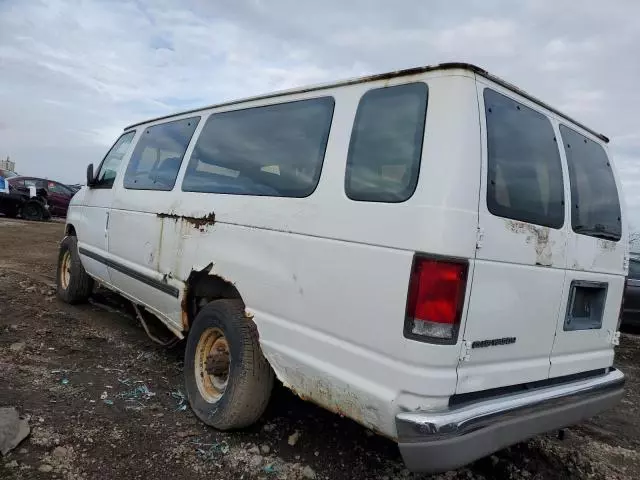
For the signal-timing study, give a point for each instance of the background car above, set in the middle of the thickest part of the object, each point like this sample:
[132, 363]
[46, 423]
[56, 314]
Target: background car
[58, 194]
[631, 307]
[20, 201]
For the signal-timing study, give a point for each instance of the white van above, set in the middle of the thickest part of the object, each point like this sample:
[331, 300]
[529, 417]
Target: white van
[432, 252]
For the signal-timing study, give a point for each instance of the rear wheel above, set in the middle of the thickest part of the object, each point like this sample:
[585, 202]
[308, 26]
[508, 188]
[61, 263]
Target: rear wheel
[33, 210]
[73, 282]
[227, 379]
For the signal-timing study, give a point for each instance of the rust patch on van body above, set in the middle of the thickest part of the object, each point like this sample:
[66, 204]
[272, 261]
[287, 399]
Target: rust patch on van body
[185, 308]
[339, 401]
[330, 396]
[536, 235]
[201, 223]
[186, 304]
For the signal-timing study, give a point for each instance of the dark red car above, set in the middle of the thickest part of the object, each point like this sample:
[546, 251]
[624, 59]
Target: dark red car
[58, 194]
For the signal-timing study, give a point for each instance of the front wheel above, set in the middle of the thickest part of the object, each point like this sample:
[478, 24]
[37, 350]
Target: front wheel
[74, 285]
[227, 379]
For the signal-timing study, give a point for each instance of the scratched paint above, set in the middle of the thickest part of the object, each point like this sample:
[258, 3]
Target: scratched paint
[606, 245]
[538, 237]
[328, 392]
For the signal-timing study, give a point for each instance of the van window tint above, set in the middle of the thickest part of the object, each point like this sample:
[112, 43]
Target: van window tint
[156, 160]
[595, 208]
[111, 162]
[524, 169]
[386, 144]
[275, 150]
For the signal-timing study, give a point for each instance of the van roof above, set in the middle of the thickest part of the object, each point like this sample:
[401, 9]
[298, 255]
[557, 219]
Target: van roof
[382, 76]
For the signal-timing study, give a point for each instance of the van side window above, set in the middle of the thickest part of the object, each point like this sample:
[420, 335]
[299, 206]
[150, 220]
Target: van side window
[386, 144]
[109, 166]
[156, 160]
[524, 170]
[275, 150]
[595, 207]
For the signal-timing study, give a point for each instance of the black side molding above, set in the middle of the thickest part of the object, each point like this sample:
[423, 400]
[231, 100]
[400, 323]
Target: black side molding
[152, 282]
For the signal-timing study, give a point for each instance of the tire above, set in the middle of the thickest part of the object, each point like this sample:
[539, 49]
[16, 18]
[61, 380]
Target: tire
[74, 285]
[33, 210]
[240, 401]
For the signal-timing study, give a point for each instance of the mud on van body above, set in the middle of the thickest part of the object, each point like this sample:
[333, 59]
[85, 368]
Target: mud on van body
[432, 253]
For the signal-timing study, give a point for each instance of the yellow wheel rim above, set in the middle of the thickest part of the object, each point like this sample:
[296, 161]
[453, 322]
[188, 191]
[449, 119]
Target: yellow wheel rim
[212, 364]
[65, 270]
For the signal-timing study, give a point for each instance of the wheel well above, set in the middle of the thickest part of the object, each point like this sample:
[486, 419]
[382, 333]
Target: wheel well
[202, 288]
[70, 231]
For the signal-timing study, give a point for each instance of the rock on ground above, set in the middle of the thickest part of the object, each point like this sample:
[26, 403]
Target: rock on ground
[13, 429]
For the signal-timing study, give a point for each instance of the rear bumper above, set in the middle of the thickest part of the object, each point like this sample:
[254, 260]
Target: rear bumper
[441, 441]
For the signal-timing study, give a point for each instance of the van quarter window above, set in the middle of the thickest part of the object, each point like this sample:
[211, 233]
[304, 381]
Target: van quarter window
[156, 160]
[524, 169]
[595, 208]
[276, 150]
[386, 144]
[109, 166]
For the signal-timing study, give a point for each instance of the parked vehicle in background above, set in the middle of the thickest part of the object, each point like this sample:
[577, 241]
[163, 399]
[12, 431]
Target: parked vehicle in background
[631, 307]
[58, 194]
[27, 202]
[432, 252]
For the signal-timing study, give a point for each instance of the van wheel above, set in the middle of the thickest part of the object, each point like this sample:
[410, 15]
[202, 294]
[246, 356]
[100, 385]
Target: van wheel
[33, 210]
[73, 282]
[227, 379]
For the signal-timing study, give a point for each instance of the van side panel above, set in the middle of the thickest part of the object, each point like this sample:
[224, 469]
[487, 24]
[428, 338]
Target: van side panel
[325, 277]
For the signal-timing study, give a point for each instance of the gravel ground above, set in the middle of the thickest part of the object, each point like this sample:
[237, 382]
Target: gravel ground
[105, 402]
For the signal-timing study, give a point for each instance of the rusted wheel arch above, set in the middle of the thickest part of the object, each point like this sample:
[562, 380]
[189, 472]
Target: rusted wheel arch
[203, 287]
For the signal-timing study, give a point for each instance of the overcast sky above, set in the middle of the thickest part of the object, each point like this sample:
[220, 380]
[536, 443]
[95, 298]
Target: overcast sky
[74, 73]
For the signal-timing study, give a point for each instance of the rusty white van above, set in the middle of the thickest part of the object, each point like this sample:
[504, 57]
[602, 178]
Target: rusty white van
[433, 253]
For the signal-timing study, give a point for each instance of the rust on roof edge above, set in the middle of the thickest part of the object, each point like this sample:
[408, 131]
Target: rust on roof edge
[383, 76]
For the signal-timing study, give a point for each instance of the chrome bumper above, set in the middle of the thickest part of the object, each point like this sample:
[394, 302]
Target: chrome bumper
[440, 441]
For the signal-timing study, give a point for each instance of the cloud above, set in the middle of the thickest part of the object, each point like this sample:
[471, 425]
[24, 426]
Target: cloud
[73, 73]
[479, 37]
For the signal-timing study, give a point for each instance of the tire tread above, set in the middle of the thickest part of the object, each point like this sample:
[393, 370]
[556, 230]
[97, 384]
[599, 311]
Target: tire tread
[253, 382]
[80, 284]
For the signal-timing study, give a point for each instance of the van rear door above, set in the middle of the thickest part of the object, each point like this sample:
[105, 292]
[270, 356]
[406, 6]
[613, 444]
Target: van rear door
[519, 268]
[596, 252]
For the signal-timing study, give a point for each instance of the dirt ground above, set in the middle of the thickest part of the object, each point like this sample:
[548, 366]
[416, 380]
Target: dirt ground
[104, 402]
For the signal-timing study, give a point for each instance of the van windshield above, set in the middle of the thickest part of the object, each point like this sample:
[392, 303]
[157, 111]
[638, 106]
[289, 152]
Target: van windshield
[595, 207]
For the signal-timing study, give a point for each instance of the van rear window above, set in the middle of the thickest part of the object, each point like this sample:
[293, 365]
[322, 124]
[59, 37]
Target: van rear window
[524, 169]
[274, 150]
[595, 207]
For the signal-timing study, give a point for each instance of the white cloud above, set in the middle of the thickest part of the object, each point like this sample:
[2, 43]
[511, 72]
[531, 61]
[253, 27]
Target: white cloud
[479, 37]
[73, 73]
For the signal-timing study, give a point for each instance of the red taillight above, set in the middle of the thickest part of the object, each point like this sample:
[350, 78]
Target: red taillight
[436, 298]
